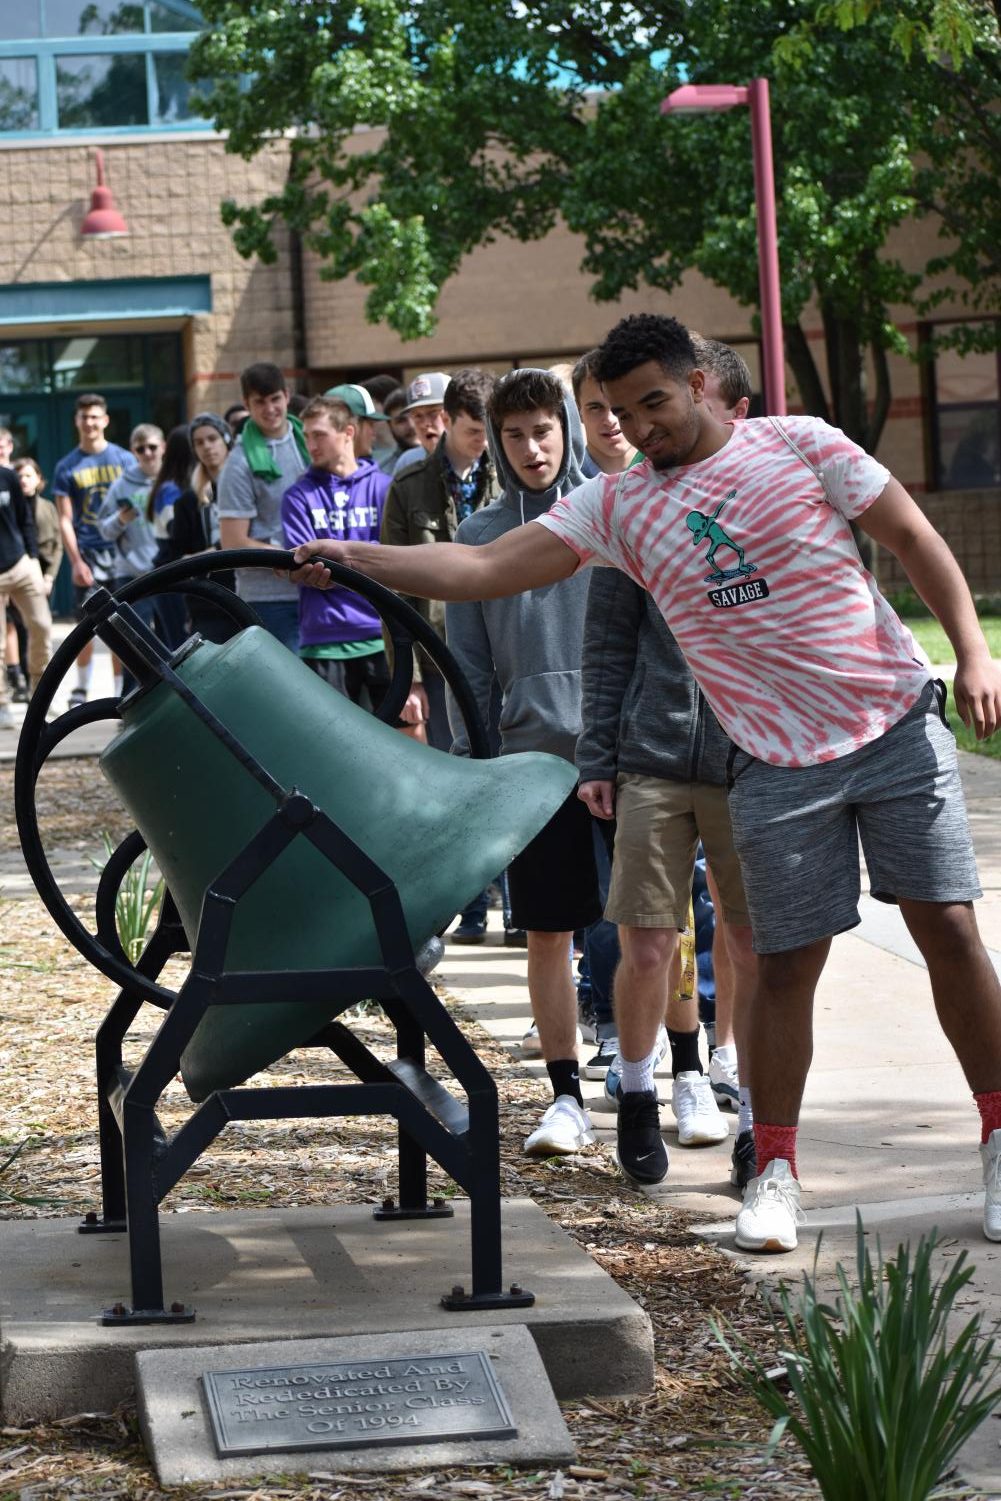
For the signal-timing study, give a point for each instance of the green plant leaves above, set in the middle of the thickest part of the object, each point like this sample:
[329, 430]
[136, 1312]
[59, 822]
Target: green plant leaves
[137, 904]
[880, 1395]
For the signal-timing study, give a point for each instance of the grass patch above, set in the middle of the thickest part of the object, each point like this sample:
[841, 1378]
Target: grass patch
[930, 635]
[966, 739]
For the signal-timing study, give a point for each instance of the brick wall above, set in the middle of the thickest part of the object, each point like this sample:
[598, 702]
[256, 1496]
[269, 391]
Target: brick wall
[970, 521]
[169, 192]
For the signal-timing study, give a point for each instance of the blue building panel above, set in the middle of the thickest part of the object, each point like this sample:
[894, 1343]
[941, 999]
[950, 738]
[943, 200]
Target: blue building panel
[124, 299]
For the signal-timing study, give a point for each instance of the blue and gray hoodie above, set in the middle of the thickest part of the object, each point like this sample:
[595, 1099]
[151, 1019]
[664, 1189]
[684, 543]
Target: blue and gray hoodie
[531, 643]
[135, 540]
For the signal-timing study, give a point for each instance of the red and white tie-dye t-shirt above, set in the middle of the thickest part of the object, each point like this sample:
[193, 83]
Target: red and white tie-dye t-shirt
[750, 556]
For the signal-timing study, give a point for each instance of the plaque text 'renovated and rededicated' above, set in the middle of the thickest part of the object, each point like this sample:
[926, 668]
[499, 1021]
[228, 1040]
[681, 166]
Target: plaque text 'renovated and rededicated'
[349, 1404]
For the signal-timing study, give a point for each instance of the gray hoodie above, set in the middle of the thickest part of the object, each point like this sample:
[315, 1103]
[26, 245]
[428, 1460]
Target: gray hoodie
[531, 643]
[134, 539]
[643, 711]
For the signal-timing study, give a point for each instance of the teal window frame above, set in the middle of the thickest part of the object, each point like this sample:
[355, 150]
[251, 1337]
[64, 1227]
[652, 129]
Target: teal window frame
[45, 51]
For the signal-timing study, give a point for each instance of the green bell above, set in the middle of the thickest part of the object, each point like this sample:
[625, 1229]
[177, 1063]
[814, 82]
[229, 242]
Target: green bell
[440, 826]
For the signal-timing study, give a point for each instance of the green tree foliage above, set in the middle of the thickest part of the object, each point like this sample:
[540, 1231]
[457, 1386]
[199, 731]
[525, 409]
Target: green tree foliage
[494, 118]
[952, 29]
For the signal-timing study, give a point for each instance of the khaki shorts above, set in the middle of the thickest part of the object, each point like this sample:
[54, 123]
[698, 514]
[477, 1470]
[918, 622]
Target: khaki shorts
[658, 824]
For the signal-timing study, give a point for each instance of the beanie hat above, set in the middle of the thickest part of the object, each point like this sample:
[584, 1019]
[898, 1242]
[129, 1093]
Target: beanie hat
[209, 419]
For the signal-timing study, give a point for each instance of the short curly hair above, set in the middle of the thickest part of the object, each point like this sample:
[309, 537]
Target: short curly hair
[642, 337]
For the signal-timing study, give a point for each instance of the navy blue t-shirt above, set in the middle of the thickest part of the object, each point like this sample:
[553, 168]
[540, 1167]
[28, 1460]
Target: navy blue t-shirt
[86, 478]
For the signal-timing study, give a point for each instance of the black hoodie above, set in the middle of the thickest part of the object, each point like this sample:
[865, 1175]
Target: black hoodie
[17, 522]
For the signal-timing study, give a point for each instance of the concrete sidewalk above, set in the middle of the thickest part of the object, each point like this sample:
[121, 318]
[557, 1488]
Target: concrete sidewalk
[92, 739]
[888, 1125]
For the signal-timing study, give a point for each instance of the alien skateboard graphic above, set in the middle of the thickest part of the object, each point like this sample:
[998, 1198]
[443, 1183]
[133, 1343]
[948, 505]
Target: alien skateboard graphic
[706, 528]
[723, 575]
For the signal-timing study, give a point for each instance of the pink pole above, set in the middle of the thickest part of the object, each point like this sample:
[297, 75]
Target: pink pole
[768, 248]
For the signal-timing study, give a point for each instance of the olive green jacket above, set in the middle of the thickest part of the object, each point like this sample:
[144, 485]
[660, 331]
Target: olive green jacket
[419, 508]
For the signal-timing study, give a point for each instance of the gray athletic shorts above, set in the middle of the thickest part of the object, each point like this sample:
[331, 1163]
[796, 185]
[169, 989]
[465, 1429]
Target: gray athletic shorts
[797, 830]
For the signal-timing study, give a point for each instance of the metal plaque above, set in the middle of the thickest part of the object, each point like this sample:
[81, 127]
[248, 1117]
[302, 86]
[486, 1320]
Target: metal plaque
[351, 1404]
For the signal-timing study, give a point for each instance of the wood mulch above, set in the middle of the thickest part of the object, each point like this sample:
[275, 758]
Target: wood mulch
[695, 1435]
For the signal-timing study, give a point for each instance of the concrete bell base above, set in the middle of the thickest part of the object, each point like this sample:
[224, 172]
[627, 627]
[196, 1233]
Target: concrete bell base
[312, 1273]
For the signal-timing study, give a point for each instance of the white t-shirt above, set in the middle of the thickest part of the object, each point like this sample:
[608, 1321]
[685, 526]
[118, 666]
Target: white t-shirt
[751, 560]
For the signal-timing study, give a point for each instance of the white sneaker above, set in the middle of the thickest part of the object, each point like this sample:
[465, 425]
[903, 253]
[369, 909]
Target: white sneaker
[723, 1078]
[770, 1212]
[564, 1128]
[990, 1156]
[7, 720]
[531, 1043]
[699, 1120]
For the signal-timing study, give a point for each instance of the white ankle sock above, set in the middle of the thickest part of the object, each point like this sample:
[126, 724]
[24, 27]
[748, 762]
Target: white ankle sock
[637, 1077]
[745, 1115]
[83, 675]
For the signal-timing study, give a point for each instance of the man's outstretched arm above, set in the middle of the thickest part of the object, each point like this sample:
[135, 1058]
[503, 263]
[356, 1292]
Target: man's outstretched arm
[525, 558]
[897, 523]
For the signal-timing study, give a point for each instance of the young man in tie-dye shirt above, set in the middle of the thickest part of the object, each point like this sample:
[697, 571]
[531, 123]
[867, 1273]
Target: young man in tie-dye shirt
[741, 532]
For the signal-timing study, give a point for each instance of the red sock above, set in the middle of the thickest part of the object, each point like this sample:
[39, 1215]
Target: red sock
[771, 1142]
[989, 1105]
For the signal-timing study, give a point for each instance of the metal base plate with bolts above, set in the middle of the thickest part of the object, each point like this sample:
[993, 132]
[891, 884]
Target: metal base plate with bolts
[458, 1299]
[177, 1313]
[93, 1224]
[436, 1210]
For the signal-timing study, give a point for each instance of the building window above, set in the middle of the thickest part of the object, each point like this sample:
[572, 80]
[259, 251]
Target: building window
[101, 90]
[18, 93]
[95, 65]
[966, 413]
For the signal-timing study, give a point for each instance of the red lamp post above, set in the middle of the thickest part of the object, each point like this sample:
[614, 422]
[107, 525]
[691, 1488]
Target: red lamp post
[701, 98]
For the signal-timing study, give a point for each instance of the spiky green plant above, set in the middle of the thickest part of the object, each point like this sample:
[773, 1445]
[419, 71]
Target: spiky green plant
[873, 1388]
[137, 904]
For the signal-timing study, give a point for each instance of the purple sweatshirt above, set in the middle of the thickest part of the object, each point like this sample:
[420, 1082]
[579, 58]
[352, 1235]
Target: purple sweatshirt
[324, 506]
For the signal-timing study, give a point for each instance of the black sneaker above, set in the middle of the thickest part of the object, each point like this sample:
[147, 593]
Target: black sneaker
[640, 1150]
[515, 938]
[743, 1162]
[470, 932]
[598, 1066]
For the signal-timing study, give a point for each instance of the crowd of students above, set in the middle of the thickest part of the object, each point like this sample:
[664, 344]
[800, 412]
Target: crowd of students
[732, 678]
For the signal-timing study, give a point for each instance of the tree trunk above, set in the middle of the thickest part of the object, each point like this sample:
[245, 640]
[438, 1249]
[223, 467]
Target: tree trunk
[881, 397]
[804, 368]
[846, 369]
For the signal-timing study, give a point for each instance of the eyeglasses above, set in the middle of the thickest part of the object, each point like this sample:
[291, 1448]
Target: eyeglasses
[147, 448]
